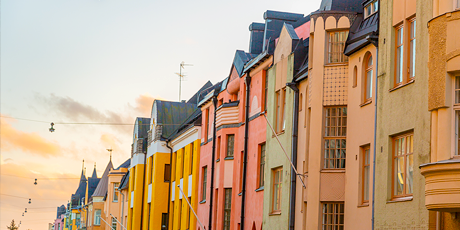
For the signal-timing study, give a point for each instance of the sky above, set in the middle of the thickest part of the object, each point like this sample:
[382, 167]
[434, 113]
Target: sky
[100, 61]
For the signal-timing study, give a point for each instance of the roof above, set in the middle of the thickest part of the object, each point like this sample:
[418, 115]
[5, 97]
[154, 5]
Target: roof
[362, 33]
[102, 186]
[240, 59]
[342, 5]
[125, 164]
[94, 175]
[60, 210]
[189, 122]
[212, 91]
[92, 185]
[171, 114]
[196, 97]
[124, 183]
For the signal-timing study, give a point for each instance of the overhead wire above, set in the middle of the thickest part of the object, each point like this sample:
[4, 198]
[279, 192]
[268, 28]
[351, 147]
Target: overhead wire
[42, 178]
[21, 197]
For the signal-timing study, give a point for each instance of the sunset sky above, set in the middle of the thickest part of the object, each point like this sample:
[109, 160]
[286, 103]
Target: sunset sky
[100, 61]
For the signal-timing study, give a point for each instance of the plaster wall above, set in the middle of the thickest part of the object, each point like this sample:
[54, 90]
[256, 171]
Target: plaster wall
[400, 110]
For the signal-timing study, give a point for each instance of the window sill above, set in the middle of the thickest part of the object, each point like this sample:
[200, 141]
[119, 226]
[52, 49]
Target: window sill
[401, 85]
[369, 101]
[333, 170]
[260, 189]
[241, 193]
[280, 133]
[203, 201]
[400, 199]
[218, 160]
[336, 64]
[277, 213]
[363, 205]
[228, 158]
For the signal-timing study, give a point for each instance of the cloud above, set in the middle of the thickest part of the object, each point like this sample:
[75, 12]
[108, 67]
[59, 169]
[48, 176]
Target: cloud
[13, 139]
[144, 104]
[110, 141]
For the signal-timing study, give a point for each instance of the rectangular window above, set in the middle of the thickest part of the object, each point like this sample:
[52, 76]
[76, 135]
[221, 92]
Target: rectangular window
[403, 165]
[97, 217]
[219, 139]
[278, 110]
[167, 174]
[283, 108]
[207, 124]
[264, 75]
[336, 47]
[457, 112]
[261, 165]
[335, 137]
[368, 78]
[205, 182]
[412, 49]
[230, 145]
[371, 8]
[366, 164]
[399, 55]
[164, 221]
[277, 184]
[115, 192]
[227, 208]
[114, 223]
[333, 216]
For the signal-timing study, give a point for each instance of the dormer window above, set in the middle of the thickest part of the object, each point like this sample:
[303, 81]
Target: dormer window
[371, 8]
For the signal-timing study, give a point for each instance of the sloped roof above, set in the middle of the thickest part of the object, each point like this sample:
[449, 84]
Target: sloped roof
[196, 97]
[362, 33]
[240, 59]
[189, 122]
[125, 164]
[171, 114]
[94, 172]
[92, 185]
[124, 183]
[102, 186]
[342, 5]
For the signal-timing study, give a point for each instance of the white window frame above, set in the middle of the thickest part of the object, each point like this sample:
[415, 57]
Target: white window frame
[455, 119]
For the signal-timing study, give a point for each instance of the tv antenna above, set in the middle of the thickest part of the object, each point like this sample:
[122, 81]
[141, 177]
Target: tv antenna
[181, 76]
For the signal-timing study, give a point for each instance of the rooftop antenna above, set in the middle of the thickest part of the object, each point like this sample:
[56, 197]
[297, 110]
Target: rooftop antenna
[110, 151]
[181, 76]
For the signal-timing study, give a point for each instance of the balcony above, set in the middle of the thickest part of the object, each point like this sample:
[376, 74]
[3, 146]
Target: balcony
[442, 185]
[227, 114]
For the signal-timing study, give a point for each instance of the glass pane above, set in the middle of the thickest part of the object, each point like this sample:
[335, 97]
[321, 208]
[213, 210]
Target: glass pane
[457, 89]
[376, 6]
[457, 132]
[366, 183]
[398, 176]
[399, 63]
[409, 174]
[369, 85]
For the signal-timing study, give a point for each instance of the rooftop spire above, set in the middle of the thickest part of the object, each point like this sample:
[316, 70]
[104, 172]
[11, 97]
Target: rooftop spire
[94, 171]
[83, 169]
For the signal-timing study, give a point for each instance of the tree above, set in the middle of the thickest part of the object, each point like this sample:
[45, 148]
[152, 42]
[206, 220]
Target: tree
[12, 226]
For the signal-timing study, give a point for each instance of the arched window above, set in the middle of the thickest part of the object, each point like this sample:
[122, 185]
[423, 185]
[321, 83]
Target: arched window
[355, 77]
[368, 78]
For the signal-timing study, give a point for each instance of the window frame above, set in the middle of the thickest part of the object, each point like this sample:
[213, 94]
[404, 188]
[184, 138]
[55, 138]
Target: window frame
[337, 136]
[399, 62]
[115, 192]
[277, 110]
[368, 92]
[411, 40]
[97, 218]
[114, 221]
[336, 47]
[456, 113]
[230, 147]
[371, 7]
[404, 163]
[227, 209]
[277, 186]
[365, 163]
[167, 173]
[204, 183]
[336, 207]
[261, 165]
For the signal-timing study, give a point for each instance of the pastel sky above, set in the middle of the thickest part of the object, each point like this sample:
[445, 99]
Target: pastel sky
[102, 61]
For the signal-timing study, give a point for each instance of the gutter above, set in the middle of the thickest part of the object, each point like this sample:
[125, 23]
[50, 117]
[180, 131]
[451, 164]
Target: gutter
[245, 155]
[295, 130]
[170, 179]
[213, 159]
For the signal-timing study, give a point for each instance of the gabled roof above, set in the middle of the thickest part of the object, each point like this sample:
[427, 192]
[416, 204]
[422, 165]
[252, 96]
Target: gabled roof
[191, 121]
[124, 183]
[342, 5]
[212, 91]
[92, 185]
[102, 186]
[125, 164]
[94, 172]
[171, 114]
[240, 59]
[291, 31]
[195, 99]
[362, 33]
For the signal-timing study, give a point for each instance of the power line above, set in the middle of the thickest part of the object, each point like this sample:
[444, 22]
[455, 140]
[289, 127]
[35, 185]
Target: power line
[21, 197]
[42, 178]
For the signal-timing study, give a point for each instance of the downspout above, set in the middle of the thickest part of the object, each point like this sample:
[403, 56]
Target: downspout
[122, 206]
[213, 159]
[375, 122]
[143, 188]
[245, 156]
[295, 130]
[170, 179]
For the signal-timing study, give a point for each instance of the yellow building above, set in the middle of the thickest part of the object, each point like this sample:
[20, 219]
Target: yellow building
[185, 144]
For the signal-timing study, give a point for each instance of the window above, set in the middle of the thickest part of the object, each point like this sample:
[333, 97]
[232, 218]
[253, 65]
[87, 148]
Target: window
[456, 108]
[164, 221]
[230, 145]
[333, 216]
[207, 124]
[336, 46]
[264, 75]
[355, 76]
[150, 165]
[261, 165]
[366, 162]
[371, 8]
[114, 223]
[97, 217]
[205, 181]
[280, 110]
[283, 117]
[115, 192]
[368, 79]
[403, 165]
[300, 102]
[167, 174]
[335, 137]
[399, 54]
[277, 184]
[219, 139]
[227, 208]
[412, 48]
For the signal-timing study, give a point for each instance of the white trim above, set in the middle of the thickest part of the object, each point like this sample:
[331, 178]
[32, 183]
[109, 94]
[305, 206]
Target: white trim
[190, 186]
[173, 191]
[186, 138]
[181, 185]
[157, 147]
[137, 159]
[149, 198]
[132, 199]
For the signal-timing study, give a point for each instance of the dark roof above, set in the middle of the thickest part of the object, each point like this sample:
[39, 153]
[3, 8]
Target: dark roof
[274, 21]
[342, 5]
[92, 185]
[362, 33]
[171, 114]
[124, 183]
[125, 164]
[81, 191]
[301, 60]
[102, 186]
[94, 175]
[213, 91]
[191, 121]
[240, 59]
[196, 97]
[60, 211]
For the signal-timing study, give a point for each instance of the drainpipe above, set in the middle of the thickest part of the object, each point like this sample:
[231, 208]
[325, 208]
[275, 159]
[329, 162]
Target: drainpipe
[213, 159]
[122, 206]
[245, 156]
[295, 129]
[143, 189]
[375, 126]
[170, 179]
